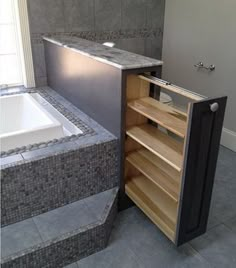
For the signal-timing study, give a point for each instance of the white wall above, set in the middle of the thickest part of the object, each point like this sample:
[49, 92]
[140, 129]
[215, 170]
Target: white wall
[202, 31]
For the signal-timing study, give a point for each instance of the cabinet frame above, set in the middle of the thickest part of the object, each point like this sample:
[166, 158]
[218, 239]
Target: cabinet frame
[199, 156]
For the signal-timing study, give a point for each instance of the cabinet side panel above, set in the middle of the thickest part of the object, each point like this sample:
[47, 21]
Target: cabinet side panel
[201, 154]
[92, 86]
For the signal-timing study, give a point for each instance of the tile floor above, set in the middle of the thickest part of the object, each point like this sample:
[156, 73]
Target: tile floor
[137, 243]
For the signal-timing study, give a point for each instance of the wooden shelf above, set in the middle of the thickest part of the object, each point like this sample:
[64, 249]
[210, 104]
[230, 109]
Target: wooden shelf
[154, 203]
[158, 143]
[151, 167]
[166, 116]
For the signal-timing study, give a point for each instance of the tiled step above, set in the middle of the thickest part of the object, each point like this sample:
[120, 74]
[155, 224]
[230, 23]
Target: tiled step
[61, 236]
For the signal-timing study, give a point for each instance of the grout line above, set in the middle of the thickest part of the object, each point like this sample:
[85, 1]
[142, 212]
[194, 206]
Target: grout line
[94, 17]
[228, 227]
[37, 229]
[121, 15]
[199, 254]
[64, 17]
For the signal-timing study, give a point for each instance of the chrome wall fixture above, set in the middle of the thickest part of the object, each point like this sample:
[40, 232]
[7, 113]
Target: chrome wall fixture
[201, 65]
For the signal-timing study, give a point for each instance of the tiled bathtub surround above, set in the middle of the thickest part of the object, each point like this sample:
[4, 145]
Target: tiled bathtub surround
[61, 236]
[40, 180]
[53, 99]
[134, 25]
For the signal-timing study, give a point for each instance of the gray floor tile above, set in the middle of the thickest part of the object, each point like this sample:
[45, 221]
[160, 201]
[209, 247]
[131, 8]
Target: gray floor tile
[149, 244]
[223, 196]
[136, 242]
[98, 202]
[226, 168]
[224, 200]
[213, 221]
[62, 220]
[116, 255]
[173, 257]
[19, 236]
[217, 246]
[231, 223]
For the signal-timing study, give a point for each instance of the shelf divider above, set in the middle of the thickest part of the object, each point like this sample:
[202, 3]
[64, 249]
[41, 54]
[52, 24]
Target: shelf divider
[159, 143]
[142, 160]
[166, 116]
[154, 203]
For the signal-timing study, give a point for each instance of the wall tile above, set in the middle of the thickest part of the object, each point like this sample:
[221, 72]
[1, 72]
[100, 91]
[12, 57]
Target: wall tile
[39, 60]
[107, 15]
[41, 81]
[134, 45]
[154, 47]
[134, 14]
[46, 16]
[79, 15]
[155, 13]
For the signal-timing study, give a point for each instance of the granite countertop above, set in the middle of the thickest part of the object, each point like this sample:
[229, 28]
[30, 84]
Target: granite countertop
[118, 58]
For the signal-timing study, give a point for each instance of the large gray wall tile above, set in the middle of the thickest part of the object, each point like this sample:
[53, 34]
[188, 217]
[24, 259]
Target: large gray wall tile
[134, 14]
[155, 13]
[154, 47]
[135, 45]
[39, 60]
[107, 15]
[79, 15]
[46, 16]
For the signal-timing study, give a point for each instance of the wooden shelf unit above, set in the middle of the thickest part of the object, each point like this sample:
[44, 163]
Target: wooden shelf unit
[161, 210]
[166, 116]
[160, 173]
[151, 167]
[159, 143]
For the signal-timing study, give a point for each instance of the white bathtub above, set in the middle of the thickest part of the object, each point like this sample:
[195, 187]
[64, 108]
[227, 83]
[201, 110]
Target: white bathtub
[24, 121]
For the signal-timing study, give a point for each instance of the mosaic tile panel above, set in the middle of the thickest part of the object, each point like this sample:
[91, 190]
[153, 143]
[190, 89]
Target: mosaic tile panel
[34, 187]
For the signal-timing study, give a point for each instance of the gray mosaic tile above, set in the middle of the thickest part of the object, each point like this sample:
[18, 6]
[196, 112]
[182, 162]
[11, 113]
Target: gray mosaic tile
[73, 265]
[66, 171]
[19, 236]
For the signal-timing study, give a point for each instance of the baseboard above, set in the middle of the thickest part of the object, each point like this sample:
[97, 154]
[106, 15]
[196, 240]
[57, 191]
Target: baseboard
[228, 139]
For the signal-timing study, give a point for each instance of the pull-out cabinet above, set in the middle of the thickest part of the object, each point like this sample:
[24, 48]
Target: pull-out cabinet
[170, 156]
